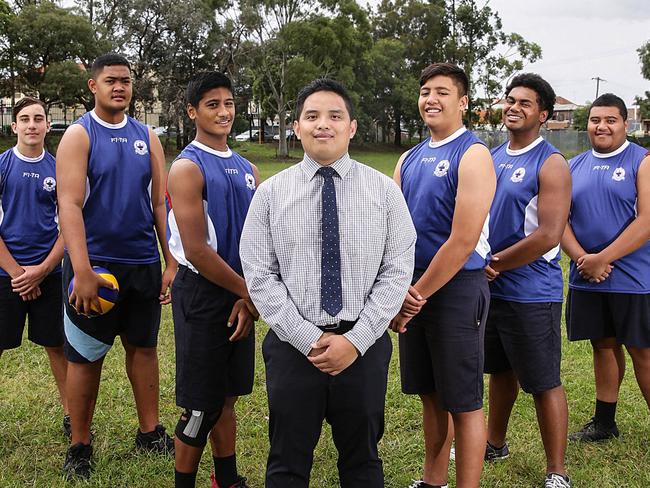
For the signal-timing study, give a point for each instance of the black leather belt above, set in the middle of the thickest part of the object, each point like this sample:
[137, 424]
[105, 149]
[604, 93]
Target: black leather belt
[340, 328]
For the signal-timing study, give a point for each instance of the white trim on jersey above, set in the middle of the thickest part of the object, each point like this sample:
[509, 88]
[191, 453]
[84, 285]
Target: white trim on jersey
[531, 223]
[448, 139]
[483, 246]
[108, 125]
[203, 147]
[523, 150]
[27, 159]
[613, 153]
[174, 241]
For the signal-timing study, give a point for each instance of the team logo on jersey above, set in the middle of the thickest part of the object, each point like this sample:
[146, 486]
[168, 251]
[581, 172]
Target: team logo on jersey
[618, 174]
[140, 147]
[441, 168]
[518, 175]
[250, 181]
[49, 184]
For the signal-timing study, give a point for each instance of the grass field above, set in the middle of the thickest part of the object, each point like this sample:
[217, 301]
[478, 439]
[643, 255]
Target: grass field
[32, 446]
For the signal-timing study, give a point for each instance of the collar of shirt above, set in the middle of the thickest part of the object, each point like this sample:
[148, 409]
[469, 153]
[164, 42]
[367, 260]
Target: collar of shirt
[341, 166]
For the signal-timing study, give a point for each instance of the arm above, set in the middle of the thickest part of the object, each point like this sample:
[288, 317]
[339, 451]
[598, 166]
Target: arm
[34, 275]
[634, 236]
[71, 169]
[413, 302]
[476, 187]
[185, 187]
[262, 272]
[160, 213]
[570, 244]
[385, 297]
[553, 202]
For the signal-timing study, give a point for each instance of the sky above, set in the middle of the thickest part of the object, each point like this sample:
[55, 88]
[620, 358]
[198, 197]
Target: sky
[581, 40]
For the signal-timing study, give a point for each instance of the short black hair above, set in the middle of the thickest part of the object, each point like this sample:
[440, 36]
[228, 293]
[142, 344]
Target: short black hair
[610, 100]
[545, 92]
[26, 102]
[324, 84]
[446, 69]
[109, 59]
[204, 82]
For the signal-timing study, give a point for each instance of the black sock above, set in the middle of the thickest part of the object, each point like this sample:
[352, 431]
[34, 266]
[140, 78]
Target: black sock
[184, 480]
[605, 413]
[225, 470]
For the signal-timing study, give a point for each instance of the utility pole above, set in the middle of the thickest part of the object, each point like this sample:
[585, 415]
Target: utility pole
[598, 80]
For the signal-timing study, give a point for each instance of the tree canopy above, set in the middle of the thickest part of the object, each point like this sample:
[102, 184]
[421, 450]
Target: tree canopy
[270, 48]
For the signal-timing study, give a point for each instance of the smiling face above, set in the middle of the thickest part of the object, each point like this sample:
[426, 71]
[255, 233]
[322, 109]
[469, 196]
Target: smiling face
[31, 126]
[324, 127]
[214, 114]
[441, 105]
[112, 88]
[606, 128]
[521, 111]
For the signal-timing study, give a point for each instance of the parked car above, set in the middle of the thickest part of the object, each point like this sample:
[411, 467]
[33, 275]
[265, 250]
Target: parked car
[58, 128]
[246, 136]
[289, 135]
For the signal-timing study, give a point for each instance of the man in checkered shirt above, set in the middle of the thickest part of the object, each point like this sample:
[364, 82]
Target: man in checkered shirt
[327, 251]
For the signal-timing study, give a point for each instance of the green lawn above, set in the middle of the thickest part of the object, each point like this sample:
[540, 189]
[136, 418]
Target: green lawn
[32, 446]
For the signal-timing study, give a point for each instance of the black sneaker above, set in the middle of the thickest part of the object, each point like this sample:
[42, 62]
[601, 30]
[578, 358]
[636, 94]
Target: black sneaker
[422, 484]
[156, 441]
[496, 453]
[240, 483]
[67, 430]
[594, 432]
[77, 461]
[556, 480]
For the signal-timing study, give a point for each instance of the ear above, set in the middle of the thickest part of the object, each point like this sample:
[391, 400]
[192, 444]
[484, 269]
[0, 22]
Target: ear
[353, 128]
[191, 111]
[296, 129]
[92, 86]
[14, 128]
[464, 102]
[543, 116]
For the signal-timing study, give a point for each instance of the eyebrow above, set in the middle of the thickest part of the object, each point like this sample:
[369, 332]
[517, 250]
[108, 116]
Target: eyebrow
[210, 100]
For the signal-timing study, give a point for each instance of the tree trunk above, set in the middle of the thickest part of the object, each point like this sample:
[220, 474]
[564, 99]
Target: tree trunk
[283, 149]
[398, 128]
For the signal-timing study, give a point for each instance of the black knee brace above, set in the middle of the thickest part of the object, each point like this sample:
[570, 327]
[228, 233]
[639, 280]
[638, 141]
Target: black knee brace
[194, 426]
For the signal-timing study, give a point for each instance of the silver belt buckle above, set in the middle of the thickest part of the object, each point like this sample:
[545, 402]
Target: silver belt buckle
[332, 326]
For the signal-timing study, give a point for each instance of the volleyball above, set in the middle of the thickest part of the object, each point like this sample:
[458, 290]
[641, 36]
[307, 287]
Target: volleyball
[107, 296]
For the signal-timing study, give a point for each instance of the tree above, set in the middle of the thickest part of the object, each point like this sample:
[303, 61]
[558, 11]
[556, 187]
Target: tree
[409, 35]
[45, 34]
[488, 55]
[644, 58]
[581, 116]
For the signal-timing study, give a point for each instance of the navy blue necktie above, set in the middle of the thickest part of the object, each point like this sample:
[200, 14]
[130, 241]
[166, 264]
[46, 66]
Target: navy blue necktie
[331, 298]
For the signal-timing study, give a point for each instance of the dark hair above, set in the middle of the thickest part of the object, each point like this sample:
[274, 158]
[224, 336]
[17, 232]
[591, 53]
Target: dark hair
[109, 59]
[26, 102]
[204, 82]
[545, 93]
[324, 84]
[610, 100]
[446, 69]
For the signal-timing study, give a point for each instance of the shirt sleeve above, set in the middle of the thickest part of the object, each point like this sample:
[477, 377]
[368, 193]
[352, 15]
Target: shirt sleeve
[394, 276]
[263, 279]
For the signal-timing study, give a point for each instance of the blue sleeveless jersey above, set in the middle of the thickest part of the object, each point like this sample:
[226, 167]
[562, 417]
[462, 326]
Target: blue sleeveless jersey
[513, 217]
[429, 176]
[28, 219]
[229, 184]
[604, 204]
[117, 213]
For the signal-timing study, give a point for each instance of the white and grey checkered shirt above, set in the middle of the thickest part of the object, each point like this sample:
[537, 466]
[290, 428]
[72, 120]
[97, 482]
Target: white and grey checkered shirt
[281, 252]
